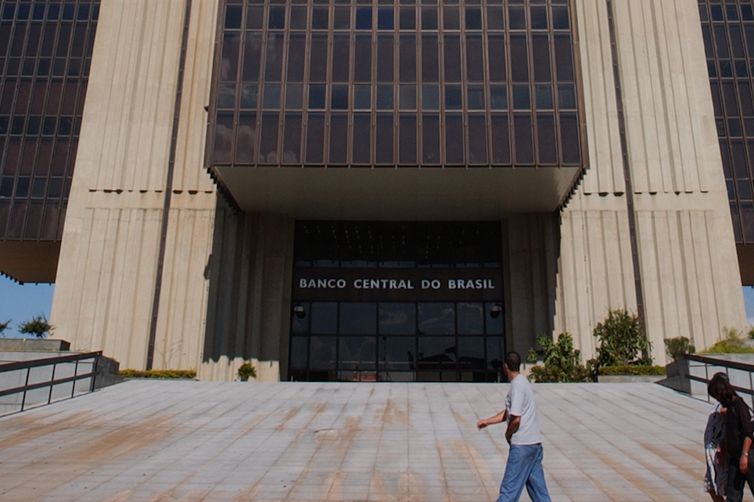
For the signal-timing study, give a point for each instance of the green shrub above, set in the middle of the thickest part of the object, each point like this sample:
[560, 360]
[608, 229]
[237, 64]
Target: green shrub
[622, 340]
[732, 343]
[561, 362]
[632, 369]
[677, 347]
[37, 326]
[246, 371]
[177, 374]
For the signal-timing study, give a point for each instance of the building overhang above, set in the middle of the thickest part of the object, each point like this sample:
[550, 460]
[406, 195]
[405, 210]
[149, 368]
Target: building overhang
[29, 261]
[397, 193]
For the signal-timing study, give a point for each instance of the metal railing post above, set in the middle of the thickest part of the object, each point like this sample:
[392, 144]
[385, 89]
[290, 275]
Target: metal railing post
[52, 383]
[94, 370]
[706, 378]
[26, 386]
[75, 375]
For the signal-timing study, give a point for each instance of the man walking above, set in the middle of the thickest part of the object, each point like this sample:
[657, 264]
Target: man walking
[524, 467]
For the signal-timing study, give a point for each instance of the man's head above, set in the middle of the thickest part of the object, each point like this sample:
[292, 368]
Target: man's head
[512, 364]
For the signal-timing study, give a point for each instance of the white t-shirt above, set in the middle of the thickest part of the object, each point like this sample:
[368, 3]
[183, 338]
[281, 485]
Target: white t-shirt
[520, 403]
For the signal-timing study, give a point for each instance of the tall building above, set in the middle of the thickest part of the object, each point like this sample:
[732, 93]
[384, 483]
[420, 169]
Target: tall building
[382, 190]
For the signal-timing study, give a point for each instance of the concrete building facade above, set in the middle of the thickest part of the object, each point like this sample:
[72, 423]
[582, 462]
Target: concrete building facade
[204, 193]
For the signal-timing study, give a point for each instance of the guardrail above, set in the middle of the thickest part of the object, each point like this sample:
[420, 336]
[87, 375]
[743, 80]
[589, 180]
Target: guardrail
[37, 382]
[740, 374]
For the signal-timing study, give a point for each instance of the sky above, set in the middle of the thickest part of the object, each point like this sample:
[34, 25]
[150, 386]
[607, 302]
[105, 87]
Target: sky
[22, 302]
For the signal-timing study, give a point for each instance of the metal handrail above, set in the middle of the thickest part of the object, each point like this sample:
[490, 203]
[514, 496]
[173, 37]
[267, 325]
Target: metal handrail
[727, 365]
[52, 381]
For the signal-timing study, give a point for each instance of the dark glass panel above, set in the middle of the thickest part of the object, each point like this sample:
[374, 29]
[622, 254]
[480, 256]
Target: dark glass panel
[315, 138]
[396, 353]
[233, 17]
[358, 318]
[246, 138]
[384, 141]
[452, 58]
[385, 58]
[474, 58]
[318, 58]
[223, 141]
[342, 19]
[429, 18]
[340, 58]
[320, 18]
[226, 95]
[541, 58]
[397, 318]
[229, 58]
[357, 353]
[363, 18]
[249, 95]
[519, 58]
[430, 63]
[324, 318]
[477, 139]
[362, 98]
[569, 139]
[473, 18]
[339, 97]
[271, 96]
[453, 97]
[254, 17]
[317, 96]
[500, 140]
[296, 58]
[450, 17]
[363, 59]
[292, 139]
[498, 97]
[274, 61]
[385, 18]
[276, 20]
[294, 96]
[385, 97]
[546, 141]
[408, 18]
[516, 18]
[475, 97]
[436, 353]
[566, 97]
[322, 352]
[496, 54]
[454, 138]
[522, 130]
[544, 99]
[268, 143]
[407, 52]
[430, 139]
[361, 138]
[299, 355]
[252, 57]
[436, 318]
[430, 97]
[338, 138]
[560, 18]
[407, 139]
[493, 319]
[563, 61]
[538, 18]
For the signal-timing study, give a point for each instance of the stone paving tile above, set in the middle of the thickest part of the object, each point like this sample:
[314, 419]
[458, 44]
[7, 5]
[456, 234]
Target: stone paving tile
[149, 440]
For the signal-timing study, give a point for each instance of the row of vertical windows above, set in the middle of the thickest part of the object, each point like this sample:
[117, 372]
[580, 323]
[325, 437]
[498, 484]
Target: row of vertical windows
[45, 55]
[332, 93]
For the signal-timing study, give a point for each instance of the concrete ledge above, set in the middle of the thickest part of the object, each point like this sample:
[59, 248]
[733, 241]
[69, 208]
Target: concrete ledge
[630, 378]
[33, 345]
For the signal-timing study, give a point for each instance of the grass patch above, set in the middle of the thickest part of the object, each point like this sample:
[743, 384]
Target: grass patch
[632, 369]
[172, 374]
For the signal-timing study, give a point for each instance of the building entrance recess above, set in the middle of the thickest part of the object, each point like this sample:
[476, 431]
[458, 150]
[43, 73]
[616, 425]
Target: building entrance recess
[381, 301]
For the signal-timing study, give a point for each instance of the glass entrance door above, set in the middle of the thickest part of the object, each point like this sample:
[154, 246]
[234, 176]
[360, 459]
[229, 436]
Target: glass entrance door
[397, 341]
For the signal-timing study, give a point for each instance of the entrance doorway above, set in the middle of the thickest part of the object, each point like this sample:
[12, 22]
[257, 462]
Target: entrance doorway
[376, 301]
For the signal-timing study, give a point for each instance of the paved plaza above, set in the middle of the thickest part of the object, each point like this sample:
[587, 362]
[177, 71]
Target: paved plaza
[184, 440]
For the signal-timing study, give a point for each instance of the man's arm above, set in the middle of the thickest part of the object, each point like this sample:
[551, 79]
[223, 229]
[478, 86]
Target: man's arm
[495, 419]
[513, 424]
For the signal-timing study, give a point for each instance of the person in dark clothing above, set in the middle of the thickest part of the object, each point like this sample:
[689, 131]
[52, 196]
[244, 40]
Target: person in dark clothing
[738, 437]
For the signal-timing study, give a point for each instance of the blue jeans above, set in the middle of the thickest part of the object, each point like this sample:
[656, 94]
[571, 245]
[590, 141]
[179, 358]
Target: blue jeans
[524, 468]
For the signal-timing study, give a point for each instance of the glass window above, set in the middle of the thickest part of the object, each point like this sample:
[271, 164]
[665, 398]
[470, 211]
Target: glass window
[363, 18]
[357, 353]
[318, 58]
[430, 97]
[340, 58]
[339, 139]
[294, 96]
[407, 58]
[324, 318]
[292, 139]
[475, 97]
[296, 58]
[339, 97]
[322, 353]
[358, 318]
[276, 18]
[430, 63]
[320, 18]
[396, 353]
[246, 138]
[317, 96]
[450, 17]
[271, 96]
[299, 16]
[384, 97]
[498, 97]
[408, 97]
[430, 139]
[436, 318]
[429, 18]
[385, 58]
[452, 58]
[407, 139]
[474, 58]
[522, 129]
[453, 97]
[363, 59]
[315, 137]
[454, 138]
[521, 99]
[477, 140]
[268, 143]
[544, 97]
[385, 18]
[384, 142]
[362, 98]
[361, 138]
[299, 355]
[408, 18]
[342, 20]
[397, 318]
[274, 61]
[473, 18]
